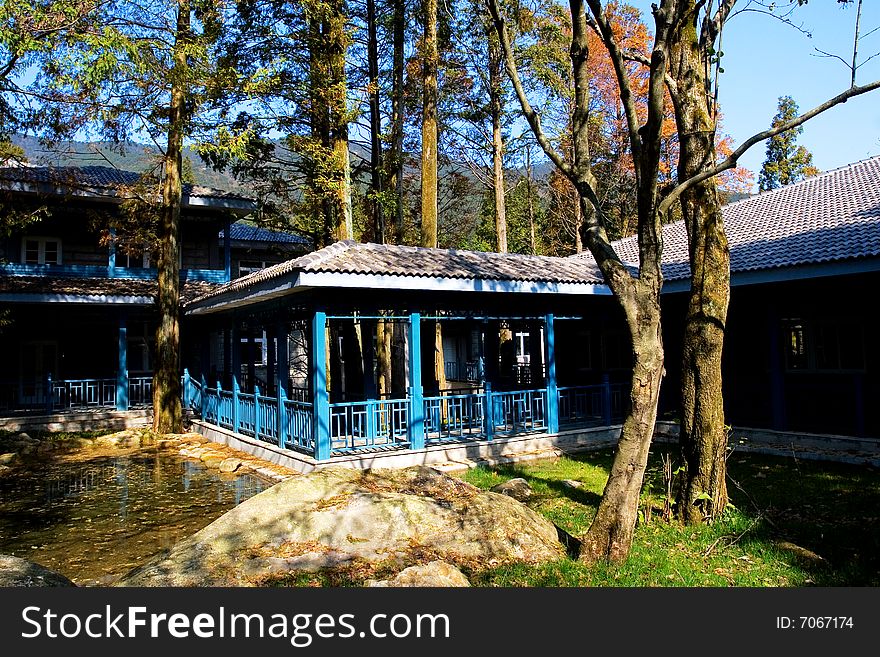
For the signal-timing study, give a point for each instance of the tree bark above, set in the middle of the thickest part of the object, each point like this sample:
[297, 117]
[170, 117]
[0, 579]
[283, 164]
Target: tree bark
[377, 216]
[167, 411]
[429, 126]
[383, 358]
[703, 435]
[611, 533]
[337, 47]
[496, 108]
[397, 115]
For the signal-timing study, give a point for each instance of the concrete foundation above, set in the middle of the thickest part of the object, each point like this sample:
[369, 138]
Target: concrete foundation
[450, 456]
[807, 446]
[79, 421]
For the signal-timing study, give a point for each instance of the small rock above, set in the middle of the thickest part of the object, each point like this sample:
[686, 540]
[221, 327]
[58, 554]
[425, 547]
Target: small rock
[18, 572]
[230, 465]
[435, 573]
[4, 469]
[571, 483]
[8, 458]
[517, 488]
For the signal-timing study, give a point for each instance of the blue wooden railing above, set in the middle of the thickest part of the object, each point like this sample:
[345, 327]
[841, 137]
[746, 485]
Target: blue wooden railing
[369, 424]
[51, 395]
[394, 423]
[98, 271]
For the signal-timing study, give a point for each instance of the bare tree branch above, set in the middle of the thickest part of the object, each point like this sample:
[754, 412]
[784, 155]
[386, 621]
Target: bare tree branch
[731, 160]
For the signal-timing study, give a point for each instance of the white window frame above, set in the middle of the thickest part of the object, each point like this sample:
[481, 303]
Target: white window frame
[41, 249]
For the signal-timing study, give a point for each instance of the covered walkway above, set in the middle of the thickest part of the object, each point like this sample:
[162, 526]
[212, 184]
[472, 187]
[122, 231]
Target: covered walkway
[345, 351]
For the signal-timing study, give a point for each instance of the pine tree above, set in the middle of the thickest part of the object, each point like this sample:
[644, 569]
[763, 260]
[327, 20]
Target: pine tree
[786, 161]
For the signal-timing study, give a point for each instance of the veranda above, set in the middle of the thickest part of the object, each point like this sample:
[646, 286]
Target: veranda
[296, 366]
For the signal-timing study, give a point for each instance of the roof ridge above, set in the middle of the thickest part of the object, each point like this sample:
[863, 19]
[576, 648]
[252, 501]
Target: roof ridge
[799, 183]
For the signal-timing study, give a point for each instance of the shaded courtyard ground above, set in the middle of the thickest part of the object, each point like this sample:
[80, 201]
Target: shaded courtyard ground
[794, 523]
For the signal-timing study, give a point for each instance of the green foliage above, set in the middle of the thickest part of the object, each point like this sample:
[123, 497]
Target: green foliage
[786, 162]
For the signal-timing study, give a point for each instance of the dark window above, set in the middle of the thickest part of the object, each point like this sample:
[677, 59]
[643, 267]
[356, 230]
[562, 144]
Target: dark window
[32, 252]
[41, 251]
[616, 351]
[824, 345]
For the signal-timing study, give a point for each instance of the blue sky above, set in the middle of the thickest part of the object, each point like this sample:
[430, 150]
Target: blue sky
[765, 59]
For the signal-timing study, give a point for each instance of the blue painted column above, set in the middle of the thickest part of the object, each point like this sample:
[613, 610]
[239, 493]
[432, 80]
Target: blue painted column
[122, 367]
[204, 406]
[552, 390]
[227, 250]
[111, 258]
[186, 389]
[282, 376]
[416, 424]
[320, 398]
[236, 372]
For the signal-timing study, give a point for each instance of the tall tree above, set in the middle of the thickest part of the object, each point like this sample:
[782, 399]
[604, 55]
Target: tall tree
[377, 215]
[430, 62]
[147, 70]
[398, 118]
[675, 38]
[786, 161]
[703, 492]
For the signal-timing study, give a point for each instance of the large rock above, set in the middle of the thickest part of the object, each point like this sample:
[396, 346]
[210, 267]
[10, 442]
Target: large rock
[18, 572]
[337, 514]
[435, 573]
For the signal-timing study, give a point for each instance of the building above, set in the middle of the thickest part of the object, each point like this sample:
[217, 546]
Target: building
[79, 305]
[286, 355]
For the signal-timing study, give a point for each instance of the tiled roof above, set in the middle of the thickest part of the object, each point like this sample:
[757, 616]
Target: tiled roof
[250, 233]
[348, 257]
[830, 217]
[122, 287]
[94, 180]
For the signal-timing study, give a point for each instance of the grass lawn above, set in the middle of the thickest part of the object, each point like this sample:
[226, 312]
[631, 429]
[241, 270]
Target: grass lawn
[795, 523]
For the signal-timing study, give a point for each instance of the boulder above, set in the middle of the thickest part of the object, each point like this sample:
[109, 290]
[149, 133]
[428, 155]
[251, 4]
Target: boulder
[517, 488]
[572, 483]
[17, 572]
[230, 464]
[435, 573]
[8, 459]
[4, 469]
[335, 515]
[212, 460]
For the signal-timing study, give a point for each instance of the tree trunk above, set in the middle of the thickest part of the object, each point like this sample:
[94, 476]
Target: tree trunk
[531, 203]
[397, 115]
[167, 411]
[337, 46]
[703, 436]
[495, 106]
[439, 359]
[377, 217]
[611, 533]
[429, 126]
[383, 358]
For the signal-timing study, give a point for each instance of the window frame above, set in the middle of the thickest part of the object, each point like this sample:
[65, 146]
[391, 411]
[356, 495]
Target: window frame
[41, 249]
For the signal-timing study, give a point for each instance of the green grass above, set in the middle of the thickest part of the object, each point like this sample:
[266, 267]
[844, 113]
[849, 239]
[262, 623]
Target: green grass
[828, 509]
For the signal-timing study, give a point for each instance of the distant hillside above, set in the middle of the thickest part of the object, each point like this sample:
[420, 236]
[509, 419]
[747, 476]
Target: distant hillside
[132, 157]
